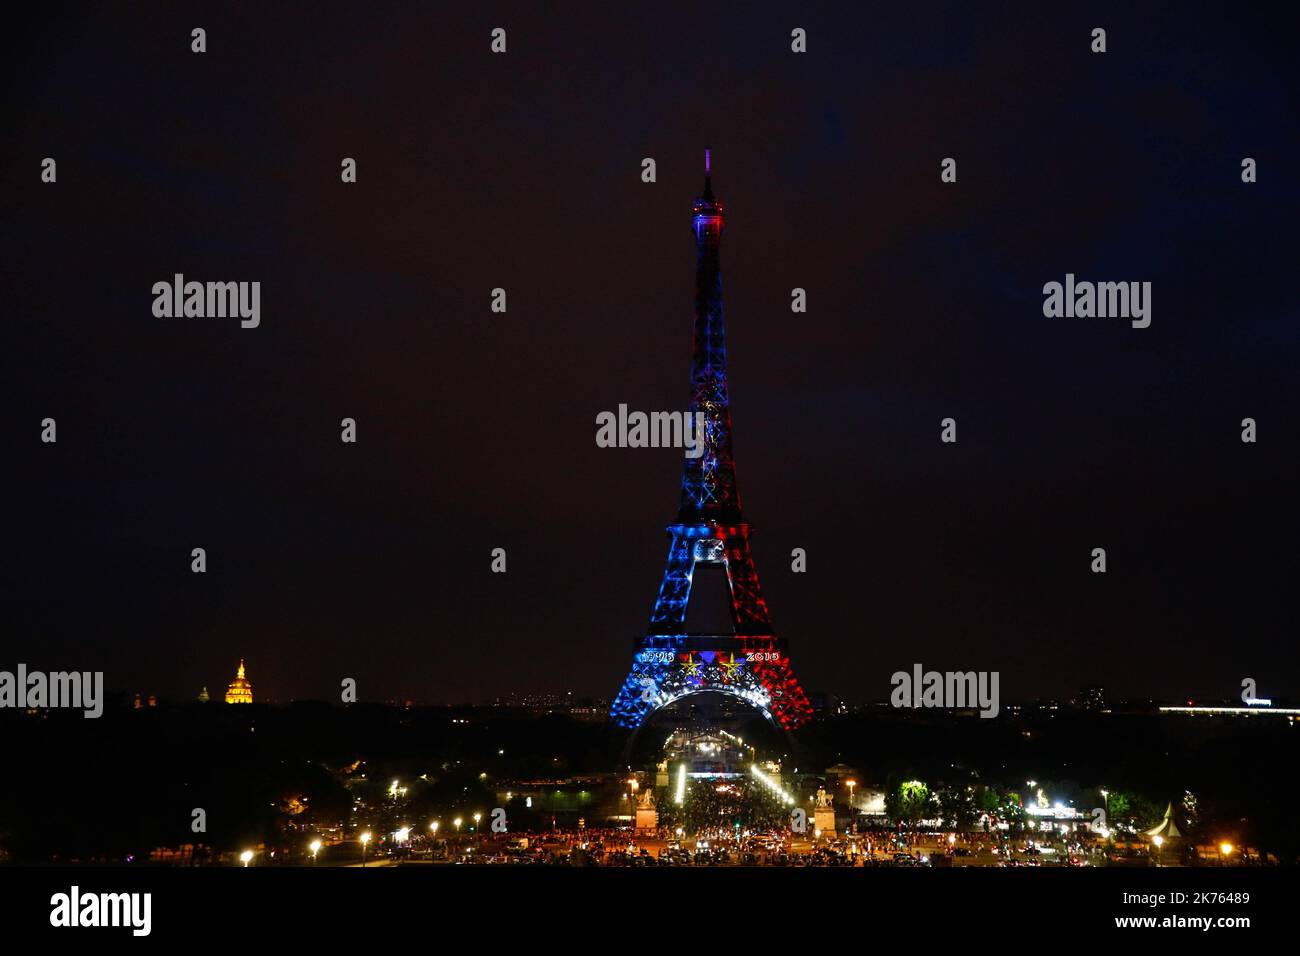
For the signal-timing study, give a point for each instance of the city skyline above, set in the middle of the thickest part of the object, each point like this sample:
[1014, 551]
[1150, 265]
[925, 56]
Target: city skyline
[1095, 698]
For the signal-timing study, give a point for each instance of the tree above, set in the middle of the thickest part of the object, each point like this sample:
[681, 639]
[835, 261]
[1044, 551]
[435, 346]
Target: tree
[957, 806]
[1117, 806]
[907, 803]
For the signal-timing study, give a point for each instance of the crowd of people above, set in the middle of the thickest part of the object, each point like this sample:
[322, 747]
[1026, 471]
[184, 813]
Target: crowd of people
[612, 846]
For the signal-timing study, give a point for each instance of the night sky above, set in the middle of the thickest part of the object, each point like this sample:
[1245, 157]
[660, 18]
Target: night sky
[476, 430]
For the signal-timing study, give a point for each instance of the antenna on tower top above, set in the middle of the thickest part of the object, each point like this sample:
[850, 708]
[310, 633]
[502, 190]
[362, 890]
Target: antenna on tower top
[707, 161]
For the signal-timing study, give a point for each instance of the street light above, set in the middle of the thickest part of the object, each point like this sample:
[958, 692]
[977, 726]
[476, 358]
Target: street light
[315, 848]
[457, 821]
[433, 827]
[1225, 850]
[477, 818]
[246, 856]
[365, 841]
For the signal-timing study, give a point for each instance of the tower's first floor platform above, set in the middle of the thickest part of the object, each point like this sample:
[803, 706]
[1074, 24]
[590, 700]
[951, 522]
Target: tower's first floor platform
[754, 668]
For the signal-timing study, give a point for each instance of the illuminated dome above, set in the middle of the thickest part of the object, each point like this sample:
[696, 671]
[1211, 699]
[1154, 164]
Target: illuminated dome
[240, 690]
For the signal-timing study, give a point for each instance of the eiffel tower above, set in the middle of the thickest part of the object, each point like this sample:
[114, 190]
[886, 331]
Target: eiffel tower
[751, 662]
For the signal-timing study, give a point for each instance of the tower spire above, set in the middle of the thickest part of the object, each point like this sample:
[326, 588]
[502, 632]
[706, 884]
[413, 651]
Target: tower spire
[709, 482]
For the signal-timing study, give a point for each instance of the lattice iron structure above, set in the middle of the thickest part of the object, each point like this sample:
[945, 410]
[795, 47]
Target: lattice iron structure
[750, 663]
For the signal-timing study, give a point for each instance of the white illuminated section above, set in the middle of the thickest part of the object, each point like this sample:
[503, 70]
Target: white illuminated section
[680, 793]
[772, 785]
[1235, 711]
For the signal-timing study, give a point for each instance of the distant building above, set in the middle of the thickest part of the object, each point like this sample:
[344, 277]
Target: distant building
[579, 708]
[824, 702]
[240, 690]
[204, 696]
[1094, 699]
[1259, 709]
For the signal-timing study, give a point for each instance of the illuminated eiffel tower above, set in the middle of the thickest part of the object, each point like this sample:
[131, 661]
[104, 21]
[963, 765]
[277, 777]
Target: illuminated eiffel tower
[750, 663]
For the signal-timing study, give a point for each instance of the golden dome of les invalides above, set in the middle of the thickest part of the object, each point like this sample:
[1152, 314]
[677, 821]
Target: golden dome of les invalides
[240, 690]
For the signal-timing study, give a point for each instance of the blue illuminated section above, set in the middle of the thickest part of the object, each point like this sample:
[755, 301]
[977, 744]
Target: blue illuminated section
[709, 481]
[642, 692]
